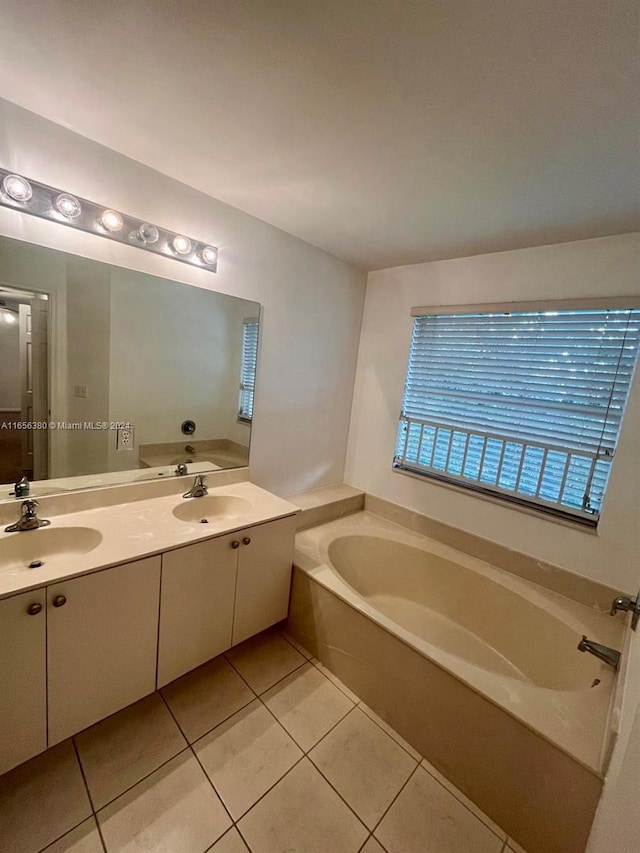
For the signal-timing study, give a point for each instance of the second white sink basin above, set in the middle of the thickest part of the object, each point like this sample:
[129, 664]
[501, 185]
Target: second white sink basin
[21, 550]
[212, 508]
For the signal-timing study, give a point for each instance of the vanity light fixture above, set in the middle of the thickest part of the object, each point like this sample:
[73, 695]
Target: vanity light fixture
[147, 233]
[181, 245]
[28, 196]
[17, 188]
[209, 255]
[112, 221]
[68, 205]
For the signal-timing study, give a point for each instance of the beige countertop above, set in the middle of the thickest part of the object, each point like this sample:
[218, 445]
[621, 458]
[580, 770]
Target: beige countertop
[128, 531]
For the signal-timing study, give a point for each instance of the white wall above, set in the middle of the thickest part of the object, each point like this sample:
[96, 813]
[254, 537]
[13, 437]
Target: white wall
[87, 350]
[616, 828]
[601, 267]
[312, 302]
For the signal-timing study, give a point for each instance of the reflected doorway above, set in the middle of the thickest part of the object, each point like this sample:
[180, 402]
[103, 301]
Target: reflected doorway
[24, 391]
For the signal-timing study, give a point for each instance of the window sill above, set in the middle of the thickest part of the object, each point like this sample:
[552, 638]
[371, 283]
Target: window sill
[584, 525]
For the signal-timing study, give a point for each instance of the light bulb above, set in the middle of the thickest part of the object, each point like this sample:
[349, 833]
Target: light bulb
[7, 316]
[209, 255]
[181, 245]
[112, 221]
[17, 188]
[147, 233]
[68, 205]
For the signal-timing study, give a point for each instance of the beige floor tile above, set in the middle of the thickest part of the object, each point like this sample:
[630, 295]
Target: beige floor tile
[205, 697]
[83, 839]
[426, 818]
[264, 659]
[296, 645]
[245, 756]
[231, 842]
[121, 750]
[174, 809]
[302, 813]
[365, 766]
[42, 800]
[335, 680]
[307, 704]
[373, 846]
[465, 800]
[514, 847]
[391, 732]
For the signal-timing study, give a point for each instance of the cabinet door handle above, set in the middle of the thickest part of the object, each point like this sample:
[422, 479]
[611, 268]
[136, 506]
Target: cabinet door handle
[34, 609]
[59, 600]
[246, 540]
[235, 544]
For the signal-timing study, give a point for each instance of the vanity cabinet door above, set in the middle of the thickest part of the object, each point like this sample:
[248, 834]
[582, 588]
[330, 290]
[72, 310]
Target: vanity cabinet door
[264, 577]
[23, 686]
[102, 632]
[196, 607]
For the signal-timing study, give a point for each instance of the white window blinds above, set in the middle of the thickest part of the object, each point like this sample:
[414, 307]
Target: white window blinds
[248, 369]
[527, 405]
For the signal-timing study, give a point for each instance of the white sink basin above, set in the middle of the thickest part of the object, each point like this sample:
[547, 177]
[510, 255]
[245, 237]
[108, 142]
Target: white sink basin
[20, 550]
[212, 508]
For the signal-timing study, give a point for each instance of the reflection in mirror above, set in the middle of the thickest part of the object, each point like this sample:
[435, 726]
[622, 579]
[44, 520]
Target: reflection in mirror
[102, 368]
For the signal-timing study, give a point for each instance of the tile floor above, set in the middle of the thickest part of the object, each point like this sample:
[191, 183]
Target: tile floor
[262, 750]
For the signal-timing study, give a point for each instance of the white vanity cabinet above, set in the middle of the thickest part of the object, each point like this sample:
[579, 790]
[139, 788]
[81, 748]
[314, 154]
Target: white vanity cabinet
[101, 644]
[219, 592]
[196, 605]
[265, 558]
[23, 686]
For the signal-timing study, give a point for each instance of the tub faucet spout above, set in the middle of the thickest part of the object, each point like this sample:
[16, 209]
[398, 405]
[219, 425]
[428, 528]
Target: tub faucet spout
[604, 653]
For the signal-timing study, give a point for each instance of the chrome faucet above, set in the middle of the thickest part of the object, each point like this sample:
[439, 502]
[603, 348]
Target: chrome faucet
[181, 469]
[199, 488]
[604, 653]
[189, 448]
[28, 519]
[624, 604]
[21, 488]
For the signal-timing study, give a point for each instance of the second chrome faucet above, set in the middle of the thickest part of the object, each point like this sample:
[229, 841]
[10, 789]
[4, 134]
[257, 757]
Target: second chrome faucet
[198, 489]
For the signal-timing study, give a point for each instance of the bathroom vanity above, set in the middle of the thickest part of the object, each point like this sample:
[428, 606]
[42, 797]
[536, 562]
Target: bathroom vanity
[127, 598]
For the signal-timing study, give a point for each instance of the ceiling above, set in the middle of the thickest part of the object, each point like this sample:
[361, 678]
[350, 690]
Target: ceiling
[385, 133]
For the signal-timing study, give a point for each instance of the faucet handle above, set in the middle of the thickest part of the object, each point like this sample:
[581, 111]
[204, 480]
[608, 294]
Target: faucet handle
[21, 488]
[29, 508]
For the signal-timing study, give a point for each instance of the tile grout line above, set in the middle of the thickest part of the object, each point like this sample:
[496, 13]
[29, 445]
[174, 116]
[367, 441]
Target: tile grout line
[193, 752]
[271, 686]
[208, 731]
[392, 803]
[86, 785]
[382, 729]
[64, 834]
[142, 779]
[505, 840]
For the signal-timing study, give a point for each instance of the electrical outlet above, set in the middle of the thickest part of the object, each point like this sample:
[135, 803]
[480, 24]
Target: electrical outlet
[124, 438]
[80, 391]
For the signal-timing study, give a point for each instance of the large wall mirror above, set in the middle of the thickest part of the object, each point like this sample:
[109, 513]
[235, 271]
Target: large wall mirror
[110, 376]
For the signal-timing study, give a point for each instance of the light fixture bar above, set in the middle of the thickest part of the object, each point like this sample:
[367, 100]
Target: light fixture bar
[29, 196]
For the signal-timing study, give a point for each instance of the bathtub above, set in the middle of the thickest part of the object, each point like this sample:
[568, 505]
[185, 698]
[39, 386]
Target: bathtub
[477, 668]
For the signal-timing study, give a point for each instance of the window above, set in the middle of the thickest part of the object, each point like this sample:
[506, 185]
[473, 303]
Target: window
[526, 404]
[248, 369]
